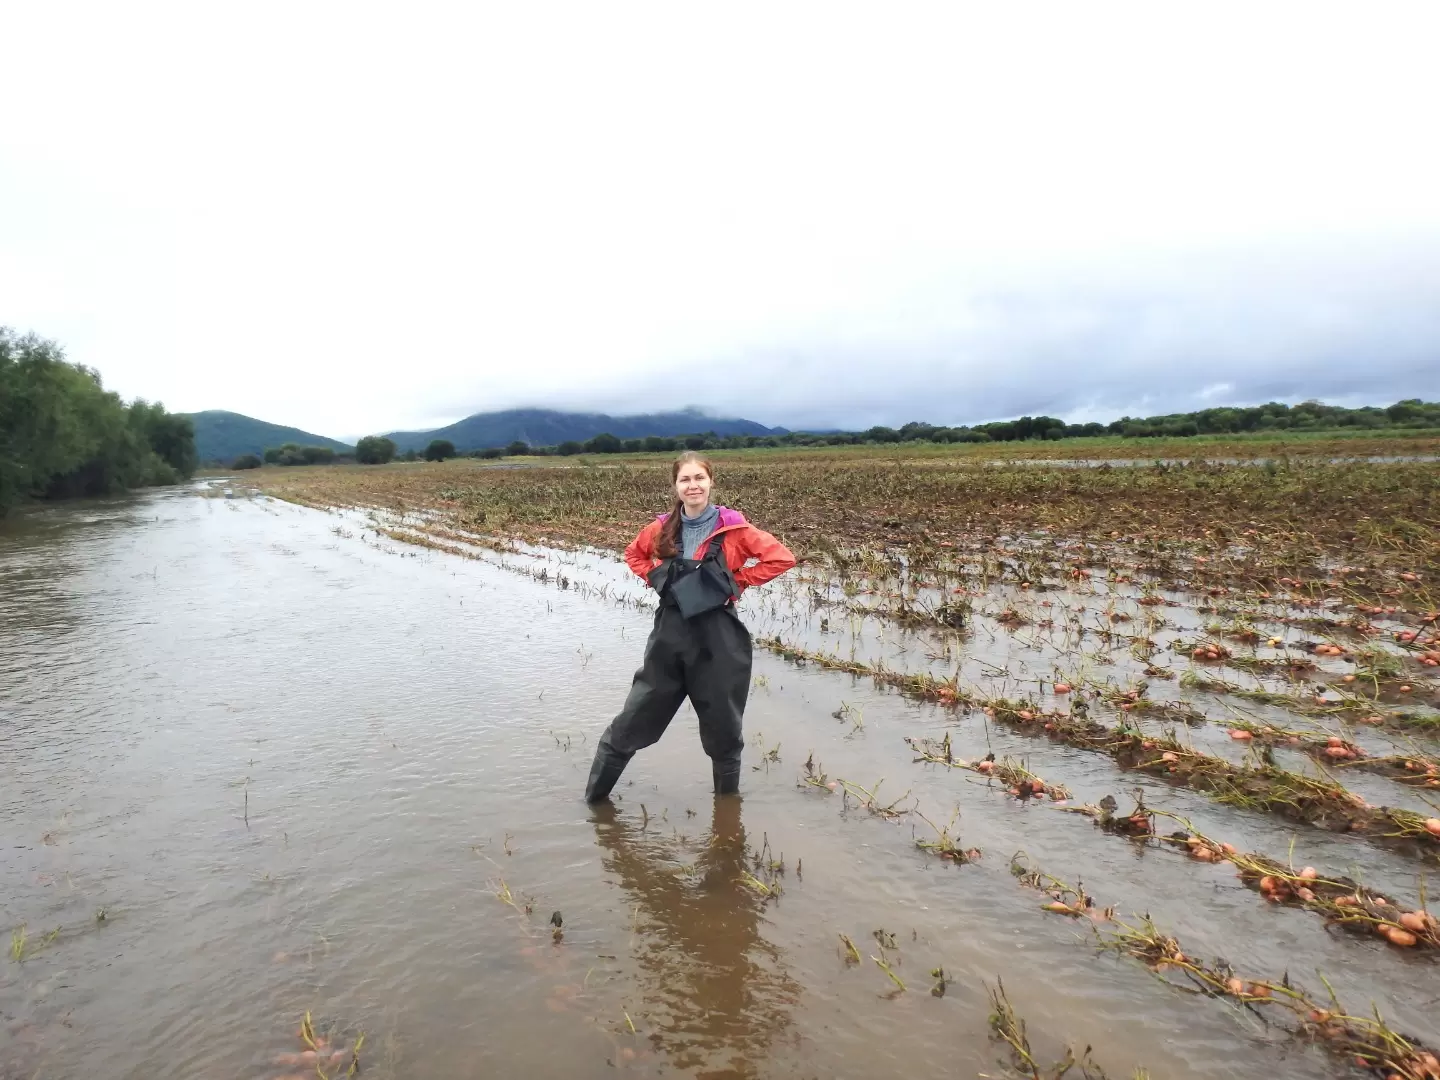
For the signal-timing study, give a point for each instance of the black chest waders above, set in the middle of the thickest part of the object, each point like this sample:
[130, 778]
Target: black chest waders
[698, 649]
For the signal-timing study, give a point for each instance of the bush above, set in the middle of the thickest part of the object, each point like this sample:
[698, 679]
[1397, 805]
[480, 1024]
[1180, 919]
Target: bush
[374, 450]
[439, 450]
[604, 443]
[490, 453]
[295, 454]
[246, 461]
[517, 448]
[569, 448]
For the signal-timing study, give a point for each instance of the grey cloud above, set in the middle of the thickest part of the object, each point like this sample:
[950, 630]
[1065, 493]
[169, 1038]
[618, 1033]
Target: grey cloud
[1357, 329]
[1352, 323]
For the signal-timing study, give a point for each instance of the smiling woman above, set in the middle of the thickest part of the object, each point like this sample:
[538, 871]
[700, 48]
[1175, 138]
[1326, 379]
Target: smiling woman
[699, 557]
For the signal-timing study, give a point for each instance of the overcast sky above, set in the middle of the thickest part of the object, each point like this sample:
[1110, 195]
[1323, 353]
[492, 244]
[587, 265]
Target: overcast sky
[355, 217]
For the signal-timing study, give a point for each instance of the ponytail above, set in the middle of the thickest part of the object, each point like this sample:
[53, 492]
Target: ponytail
[668, 546]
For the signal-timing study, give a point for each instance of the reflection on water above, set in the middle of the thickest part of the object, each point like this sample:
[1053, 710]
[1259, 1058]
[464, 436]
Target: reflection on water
[716, 989]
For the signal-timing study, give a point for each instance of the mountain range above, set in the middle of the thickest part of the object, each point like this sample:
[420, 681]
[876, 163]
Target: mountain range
[224, 436]
[547, 427]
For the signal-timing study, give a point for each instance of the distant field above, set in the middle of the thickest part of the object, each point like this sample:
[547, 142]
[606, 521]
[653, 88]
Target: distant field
[1294, 510]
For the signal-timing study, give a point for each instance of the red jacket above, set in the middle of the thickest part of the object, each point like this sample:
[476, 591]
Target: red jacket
[742, 542]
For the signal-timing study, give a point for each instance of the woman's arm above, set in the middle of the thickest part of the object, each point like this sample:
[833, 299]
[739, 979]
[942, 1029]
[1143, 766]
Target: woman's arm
[773, 557]
[640, 554]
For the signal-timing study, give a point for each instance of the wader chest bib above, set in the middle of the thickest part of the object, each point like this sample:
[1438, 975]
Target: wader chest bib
[698, 649]
[695, 586]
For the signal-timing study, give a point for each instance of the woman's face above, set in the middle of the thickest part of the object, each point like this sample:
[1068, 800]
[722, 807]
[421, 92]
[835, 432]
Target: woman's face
[692, 487]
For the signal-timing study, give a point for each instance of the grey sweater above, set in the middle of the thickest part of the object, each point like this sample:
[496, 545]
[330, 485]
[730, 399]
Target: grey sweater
[695, 531]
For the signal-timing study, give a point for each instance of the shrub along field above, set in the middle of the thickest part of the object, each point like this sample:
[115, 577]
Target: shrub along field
[1264, 634]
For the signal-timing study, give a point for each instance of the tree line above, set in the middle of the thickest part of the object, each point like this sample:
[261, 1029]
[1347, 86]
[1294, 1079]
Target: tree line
[371, 450]
[1272, 417]
[288, 454]
[63, 434]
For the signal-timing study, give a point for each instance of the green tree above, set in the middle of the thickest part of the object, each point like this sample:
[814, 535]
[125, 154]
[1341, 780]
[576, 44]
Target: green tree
[604, 443]
[246, 461]
[172, 437]
[63, 434]
[439, 450]
[569, 448]
[517, 448]
[374, 450]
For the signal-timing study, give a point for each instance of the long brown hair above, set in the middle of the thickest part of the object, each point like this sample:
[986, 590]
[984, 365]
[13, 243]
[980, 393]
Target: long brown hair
[668, 545]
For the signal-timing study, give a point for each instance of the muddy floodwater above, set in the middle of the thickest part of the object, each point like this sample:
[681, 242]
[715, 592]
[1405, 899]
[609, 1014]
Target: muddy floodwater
[257, 762]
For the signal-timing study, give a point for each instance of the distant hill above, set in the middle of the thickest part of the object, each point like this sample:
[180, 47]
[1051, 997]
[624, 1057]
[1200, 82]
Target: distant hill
[548, 427]
[224, 436]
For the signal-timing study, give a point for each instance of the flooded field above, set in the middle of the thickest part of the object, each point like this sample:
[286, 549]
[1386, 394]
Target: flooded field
[261, 760]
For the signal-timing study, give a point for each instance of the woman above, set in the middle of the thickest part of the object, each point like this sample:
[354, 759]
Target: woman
[696, 558]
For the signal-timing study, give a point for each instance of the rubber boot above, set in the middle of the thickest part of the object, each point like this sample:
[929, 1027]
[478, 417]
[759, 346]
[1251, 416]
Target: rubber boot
[727, 777]
[604, 774]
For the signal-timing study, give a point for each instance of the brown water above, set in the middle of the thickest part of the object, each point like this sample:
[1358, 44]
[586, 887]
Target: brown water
[297, 768]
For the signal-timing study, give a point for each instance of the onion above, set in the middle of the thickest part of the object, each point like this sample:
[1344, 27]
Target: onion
[1396, 936]
[1414, 921]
